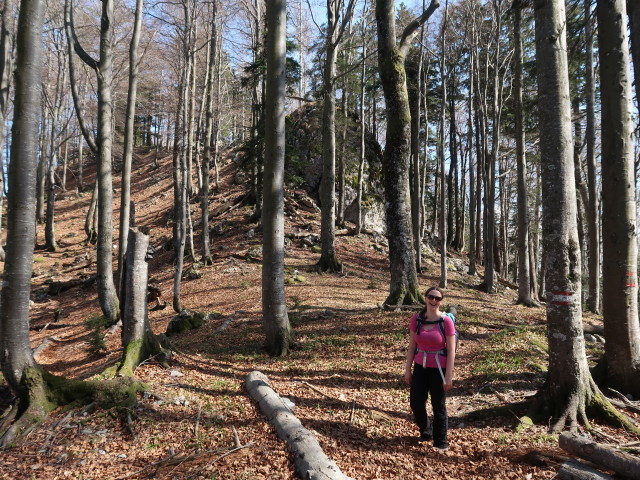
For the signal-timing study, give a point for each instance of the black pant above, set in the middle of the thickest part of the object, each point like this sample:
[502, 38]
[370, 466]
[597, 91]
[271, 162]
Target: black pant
[427, 381]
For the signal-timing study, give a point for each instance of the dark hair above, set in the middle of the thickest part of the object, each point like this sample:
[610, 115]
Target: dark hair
[431, 289]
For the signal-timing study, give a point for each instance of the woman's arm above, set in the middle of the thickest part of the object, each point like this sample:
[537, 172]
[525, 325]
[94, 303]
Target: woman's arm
[409, 361]
[451, 358]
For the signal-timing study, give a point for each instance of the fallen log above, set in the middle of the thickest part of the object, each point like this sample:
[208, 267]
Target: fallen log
[573, 469]
[310, 461]
[45, 343]
[622, 463]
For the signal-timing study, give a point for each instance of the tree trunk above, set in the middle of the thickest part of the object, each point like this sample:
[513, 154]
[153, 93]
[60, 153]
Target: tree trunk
[138, 341]
[49, 230]
[633, 10]
[415, 99]
[180, 154]
[524, 278]
[442, 230]
[624, 464]
[329, 261]
[7, 30]
[80, 181]
[575, 470]
[620, 247]
[106, 287]
[593, 209]
[310, 461]
[89, 222]
[104, 73]
[473, 192]
[274, 307]
[568, 389]
[16, 358]
[41, 179]
[208, 129]
[360, 193]
[129, 136]
[491, 237]
[404, 287]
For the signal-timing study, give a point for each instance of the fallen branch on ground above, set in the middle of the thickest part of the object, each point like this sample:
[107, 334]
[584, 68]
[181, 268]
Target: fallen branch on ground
[610, 459]
[45, 343]
[310, 461]
[575, 470]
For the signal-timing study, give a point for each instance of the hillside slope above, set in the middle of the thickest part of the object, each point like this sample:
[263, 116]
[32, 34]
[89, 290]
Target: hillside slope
[344, 375]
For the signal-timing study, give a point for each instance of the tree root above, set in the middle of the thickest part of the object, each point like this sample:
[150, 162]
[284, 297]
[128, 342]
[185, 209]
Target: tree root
[41, 392]
[408, 295]
[578, 409]
[329, 264]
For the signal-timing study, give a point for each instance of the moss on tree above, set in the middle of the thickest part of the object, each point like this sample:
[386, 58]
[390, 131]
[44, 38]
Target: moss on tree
[41, 392]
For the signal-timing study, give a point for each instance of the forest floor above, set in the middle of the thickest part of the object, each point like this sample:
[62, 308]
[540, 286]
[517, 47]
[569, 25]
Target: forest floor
[345, 374]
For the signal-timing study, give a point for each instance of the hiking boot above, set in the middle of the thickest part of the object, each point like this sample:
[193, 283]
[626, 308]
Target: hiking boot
[441, 446]
[425, 436]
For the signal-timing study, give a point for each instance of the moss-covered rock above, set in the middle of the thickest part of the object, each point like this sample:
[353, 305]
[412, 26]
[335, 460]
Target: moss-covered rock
[186, 321]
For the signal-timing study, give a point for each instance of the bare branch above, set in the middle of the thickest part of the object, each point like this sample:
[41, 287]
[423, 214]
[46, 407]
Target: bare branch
[411, 29]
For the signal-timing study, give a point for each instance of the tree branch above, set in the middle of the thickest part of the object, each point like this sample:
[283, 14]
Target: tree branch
[411, 29]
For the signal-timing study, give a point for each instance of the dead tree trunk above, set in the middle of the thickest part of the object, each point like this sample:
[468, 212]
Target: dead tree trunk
[138, 340]
[311, 462]
[610, 459]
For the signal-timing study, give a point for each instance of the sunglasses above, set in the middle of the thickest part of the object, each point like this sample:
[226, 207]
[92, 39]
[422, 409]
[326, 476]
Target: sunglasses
[433, 297]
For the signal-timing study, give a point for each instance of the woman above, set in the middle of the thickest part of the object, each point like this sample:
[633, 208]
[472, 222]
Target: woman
[432, 351]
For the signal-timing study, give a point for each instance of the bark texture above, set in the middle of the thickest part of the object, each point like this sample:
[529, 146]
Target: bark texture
[125, 192]
[609, 458]
[593, 215]
[404, 287]
[620, 247]
[568, 387]
[138, 340]
[524, 280]
[311, 462]
[274, 307]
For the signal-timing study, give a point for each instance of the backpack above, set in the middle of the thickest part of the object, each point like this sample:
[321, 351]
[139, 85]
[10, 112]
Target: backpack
[452, 315]
[440, 322]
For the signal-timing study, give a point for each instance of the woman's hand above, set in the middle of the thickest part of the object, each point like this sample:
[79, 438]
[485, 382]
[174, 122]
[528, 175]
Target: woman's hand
[407, 377]
[448, 383]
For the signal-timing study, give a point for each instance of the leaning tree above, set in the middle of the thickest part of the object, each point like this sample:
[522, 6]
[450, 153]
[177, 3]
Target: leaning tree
[404, 287]
[36, 391]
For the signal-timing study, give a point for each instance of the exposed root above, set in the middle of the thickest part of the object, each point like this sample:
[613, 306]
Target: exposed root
[43, 392]
[329, 264]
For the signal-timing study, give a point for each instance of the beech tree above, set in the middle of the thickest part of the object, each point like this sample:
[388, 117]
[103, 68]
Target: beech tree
[125, 192]
[337, 21]
[524, 278]
[18, 364]
[36, 391]
[209, 138]
[7, 20]
[103, 145]
[569, 389]
[633, 10]
[404, 287]
[593, 215]
[274, 307]
[620, 243]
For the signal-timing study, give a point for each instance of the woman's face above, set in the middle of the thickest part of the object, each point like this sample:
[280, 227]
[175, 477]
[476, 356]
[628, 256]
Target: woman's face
[434, 298]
